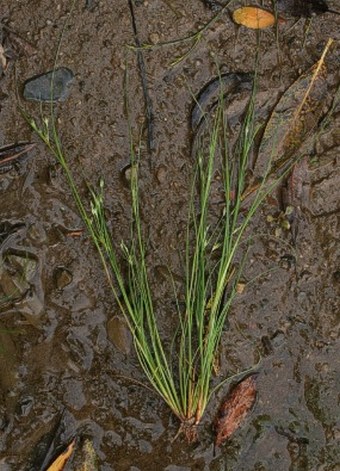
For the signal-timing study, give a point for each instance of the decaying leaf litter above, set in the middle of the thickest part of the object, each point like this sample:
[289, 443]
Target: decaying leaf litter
[234, 409]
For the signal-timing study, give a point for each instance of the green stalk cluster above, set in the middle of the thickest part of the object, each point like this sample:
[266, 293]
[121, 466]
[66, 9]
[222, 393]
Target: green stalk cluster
[209, 287]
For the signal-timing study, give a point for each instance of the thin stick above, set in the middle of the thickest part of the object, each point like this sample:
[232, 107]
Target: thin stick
[142, 71]
[195, 37]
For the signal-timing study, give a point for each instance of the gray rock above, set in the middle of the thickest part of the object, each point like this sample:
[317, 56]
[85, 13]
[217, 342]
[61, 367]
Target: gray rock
[39, 88]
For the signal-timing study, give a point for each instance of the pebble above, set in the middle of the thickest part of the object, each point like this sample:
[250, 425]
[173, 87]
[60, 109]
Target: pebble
[154, 38]
[240, 287]
[38, 88]
[119, 334]
[26, 405]
[63, 277]
[161, 174]
[126, 176]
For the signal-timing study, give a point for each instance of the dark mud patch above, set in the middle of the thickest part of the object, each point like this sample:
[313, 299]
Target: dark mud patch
[58, 351]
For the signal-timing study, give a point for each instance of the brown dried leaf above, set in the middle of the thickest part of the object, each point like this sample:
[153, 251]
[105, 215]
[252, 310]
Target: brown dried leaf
[253, 17]
[294, 118]
[234, 409]
[60, 462]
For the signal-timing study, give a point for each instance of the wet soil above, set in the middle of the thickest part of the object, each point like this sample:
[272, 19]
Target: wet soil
[67, 363]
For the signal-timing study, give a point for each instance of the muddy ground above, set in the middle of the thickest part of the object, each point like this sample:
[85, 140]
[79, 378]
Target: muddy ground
[66, 358]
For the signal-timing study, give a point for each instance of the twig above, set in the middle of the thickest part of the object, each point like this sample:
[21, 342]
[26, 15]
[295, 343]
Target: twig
[142, 71]
[195, 37]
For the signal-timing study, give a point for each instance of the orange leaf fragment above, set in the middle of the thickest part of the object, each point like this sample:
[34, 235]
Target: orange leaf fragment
[234, 409]
[60, 462]
[253, 17]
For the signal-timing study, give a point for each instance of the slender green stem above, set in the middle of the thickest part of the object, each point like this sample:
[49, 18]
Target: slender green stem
[194, 37]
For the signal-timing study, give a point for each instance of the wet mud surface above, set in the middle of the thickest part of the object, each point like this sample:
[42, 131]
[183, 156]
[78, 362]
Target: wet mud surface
[66, 357]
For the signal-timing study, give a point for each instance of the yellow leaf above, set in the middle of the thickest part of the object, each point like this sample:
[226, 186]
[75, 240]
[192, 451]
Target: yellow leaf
[59, 463]
[253, 17]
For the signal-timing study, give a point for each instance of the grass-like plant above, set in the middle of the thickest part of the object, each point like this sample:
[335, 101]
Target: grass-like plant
[182, 374]
[211, 280]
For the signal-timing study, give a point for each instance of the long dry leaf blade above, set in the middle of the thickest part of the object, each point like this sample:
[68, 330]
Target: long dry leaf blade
[60, 462]
[294, 118]
[234, 409]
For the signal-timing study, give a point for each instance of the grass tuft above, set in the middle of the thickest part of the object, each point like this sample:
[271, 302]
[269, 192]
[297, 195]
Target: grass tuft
[210, 281]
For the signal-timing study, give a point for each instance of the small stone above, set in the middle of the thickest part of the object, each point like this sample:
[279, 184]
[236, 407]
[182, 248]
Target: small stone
[154, 38]
[26, 405]
[240, 287]
[39, 88]
[63, 277]
[161, 174]
[126, 176]
[119, 334]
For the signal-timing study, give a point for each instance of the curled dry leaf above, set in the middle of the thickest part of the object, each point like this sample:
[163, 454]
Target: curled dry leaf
[234, 409]
[253, 17]
[60, 462]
